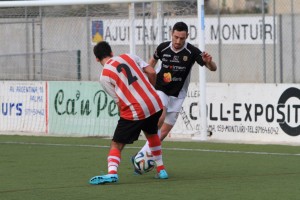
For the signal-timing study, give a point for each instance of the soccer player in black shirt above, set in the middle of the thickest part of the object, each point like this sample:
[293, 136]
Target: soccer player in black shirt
[173, 75]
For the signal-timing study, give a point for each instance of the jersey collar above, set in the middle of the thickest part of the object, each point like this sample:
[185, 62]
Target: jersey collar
[176, 51]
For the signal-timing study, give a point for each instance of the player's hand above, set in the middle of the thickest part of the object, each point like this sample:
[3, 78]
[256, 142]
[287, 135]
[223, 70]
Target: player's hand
[206, 57]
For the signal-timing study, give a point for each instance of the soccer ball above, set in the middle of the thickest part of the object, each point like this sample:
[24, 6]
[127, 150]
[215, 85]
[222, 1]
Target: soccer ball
[143, 162]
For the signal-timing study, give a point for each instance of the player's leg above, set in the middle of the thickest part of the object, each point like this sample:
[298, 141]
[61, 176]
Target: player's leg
[165, 101]
[156, 151]
[150, 129]
[126, 132]
[170, 120]
[146, 148]
[113, 162]
[172, 113]
[155, 148]
[162, 118]
[114, 157]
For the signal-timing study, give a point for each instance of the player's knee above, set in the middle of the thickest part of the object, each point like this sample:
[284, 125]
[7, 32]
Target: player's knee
[171, 118]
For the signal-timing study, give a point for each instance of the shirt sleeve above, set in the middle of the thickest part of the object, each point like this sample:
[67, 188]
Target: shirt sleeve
[139, 61]
[157, 54]
[109, 87]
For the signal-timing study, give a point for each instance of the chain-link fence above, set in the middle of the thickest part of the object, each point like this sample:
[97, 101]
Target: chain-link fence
[253, 41]
[267, 47]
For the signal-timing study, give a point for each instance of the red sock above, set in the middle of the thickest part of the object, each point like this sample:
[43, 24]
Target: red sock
[113, 160]
[155, 147]
[154, 144]
[161, 167]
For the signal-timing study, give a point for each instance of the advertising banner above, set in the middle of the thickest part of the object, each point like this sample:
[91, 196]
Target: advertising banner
[23, 106]
[248, 113]
[82, 109]
[245, 112]
[231, 30]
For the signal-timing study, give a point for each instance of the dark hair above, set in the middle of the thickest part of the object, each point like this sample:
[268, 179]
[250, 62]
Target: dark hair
[102, 50]
[180, 26]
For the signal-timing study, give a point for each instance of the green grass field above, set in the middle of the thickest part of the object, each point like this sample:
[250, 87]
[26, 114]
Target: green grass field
[58, 168]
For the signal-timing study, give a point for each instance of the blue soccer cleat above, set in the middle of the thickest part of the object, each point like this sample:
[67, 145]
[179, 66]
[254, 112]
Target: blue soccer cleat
[108, 178]
[162, 175]
[135, 170]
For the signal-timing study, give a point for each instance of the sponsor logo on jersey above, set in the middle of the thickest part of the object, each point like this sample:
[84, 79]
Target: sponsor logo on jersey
[177, 79]
[165, 66]
[167, 77]
[179, 68]
[175, 59]
[167, 55]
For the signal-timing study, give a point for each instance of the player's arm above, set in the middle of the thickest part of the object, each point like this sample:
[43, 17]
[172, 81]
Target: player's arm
[151, 70]
[151, 74]
[147, 69]
[109, 88]
[209, 63]
[152, 62]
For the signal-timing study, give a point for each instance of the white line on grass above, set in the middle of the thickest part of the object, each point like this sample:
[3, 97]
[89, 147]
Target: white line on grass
[171, 149]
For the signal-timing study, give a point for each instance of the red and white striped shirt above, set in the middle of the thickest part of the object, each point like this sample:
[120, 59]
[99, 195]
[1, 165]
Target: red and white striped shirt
[122, 78]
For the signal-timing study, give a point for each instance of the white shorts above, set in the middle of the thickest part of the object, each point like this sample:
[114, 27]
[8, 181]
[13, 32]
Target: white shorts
[173, 106]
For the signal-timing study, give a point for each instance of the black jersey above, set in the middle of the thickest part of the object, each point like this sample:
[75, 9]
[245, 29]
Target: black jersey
[175, 66]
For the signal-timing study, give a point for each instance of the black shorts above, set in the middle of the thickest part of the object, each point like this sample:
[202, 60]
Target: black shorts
[128, 131]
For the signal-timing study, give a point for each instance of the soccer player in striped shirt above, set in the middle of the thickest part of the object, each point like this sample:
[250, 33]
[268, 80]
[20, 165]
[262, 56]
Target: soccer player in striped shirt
[130, 82]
